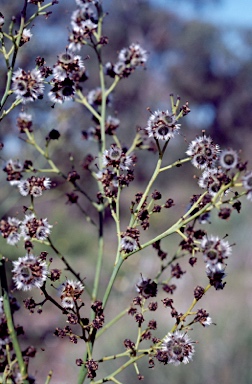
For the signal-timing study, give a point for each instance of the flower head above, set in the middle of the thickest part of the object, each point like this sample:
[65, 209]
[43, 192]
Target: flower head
[32, 227]
[147, 288]
[29, 272]
[10, 230]
[24, 121]
[68, 65]
[212, 180]
[62, 90]
[128, 244]
[34, 186]
[178, 348]
[28, 86]
[204, 152]
[247, 184]
[71, 291]
[116, 158]
[216, 273]
[215, 250]
[228, 158]
[162, 125]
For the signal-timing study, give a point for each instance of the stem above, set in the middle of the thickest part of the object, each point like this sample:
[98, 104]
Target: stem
[120, 369]
[112, 322]
[48, 379]
[99, 259]
[153, 178]
[112, 280]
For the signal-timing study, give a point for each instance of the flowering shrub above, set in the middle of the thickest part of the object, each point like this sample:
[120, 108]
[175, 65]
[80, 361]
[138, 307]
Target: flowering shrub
[222, 175]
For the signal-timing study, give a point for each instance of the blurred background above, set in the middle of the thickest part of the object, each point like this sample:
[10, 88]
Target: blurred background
[201, 51]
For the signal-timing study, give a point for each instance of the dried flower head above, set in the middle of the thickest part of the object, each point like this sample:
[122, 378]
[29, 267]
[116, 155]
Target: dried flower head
[247, 184]
[203, 151]
[14, 169]
[34, 186]
[147, 288]
[228, 158]
[212, 180]
[71, 291]
[178, 348]
[62, 90]
[27, 86]
[68, 65]
[29, 272]
[162, 125]
[215, 250]
[10, 230]
[216, 273]
[24, 121]
[32, 227]
[116, 158]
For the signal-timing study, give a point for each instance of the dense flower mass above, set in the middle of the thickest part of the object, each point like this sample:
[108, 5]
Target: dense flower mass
[10, 230]
[71, 291]
[203, 152]
[29, 272]
[32, 227]
[212, 179]
[215, 250]
[27, 86]
[128, 60]
[116, 158]
[34, 186]
[178, 348]
[162, 125]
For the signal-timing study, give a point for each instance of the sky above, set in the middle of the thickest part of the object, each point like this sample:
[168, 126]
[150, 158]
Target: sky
[228, 12]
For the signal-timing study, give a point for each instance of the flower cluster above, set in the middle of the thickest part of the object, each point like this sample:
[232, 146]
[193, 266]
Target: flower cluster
[33, 186]
[130, 240]
[176, 348]
[115, 160]
[13, 229]
[14, 169]
[28, 86]
[29, 272]
[162, 125]
[84, 22]
[247, 184]
[203, 152]
[128, 60]
[68, 71]
[71, 291]
[215, 252]
[9, 229]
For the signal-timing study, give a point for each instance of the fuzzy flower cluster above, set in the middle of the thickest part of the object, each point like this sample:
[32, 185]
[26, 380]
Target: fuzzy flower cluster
[162, 125]
[215, 164]
[204, 152]
[128, 60]
[71, 291]
[29, 272]
[215, 252]
[114, 160]
[33, 186]
[13, 229]
[247, 184]
[68, 71]
[27, 86]
[130, 240]
[84, 22]
[176, 348]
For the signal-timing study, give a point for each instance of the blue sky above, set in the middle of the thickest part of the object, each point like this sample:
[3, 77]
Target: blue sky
[227, 13]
